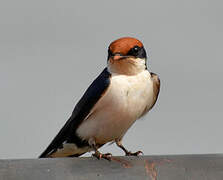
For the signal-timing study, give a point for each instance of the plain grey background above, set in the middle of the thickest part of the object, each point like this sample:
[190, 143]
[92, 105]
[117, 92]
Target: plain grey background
[50, 51]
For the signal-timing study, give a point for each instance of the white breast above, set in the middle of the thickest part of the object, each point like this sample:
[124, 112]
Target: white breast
[122, 104]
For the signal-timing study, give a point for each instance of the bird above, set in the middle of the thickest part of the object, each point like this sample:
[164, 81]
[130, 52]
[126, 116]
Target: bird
[123, 92]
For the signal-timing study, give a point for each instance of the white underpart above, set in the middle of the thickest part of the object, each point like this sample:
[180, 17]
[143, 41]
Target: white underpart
[122, 104]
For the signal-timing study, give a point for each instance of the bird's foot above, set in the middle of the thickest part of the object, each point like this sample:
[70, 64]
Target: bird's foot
[99, 155]
[129, 153]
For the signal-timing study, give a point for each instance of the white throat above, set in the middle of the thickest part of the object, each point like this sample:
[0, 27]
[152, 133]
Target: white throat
[128, 66]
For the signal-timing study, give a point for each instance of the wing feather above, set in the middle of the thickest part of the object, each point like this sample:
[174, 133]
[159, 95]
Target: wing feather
[156, 88]
[81, 110]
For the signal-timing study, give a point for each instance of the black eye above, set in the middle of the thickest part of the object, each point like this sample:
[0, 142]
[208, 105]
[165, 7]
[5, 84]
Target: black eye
[134, 51]
[109, 52]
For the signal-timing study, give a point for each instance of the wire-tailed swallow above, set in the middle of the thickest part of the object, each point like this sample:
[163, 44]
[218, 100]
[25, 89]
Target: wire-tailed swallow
[121, 94]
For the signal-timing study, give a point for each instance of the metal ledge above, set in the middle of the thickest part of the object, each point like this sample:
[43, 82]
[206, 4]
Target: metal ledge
[174, 167]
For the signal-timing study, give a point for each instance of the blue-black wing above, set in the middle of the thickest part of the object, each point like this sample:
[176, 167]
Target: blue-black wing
[81, 110]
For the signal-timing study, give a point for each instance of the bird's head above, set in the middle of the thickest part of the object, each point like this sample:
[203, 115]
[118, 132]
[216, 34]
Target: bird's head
[126, 56]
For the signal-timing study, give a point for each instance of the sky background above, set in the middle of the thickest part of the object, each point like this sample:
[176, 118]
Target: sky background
[50, 51]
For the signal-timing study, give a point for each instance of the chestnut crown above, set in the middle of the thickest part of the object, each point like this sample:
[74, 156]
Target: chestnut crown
[127, 46]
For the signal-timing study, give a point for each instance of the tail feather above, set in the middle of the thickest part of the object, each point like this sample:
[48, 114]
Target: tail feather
[67, 150]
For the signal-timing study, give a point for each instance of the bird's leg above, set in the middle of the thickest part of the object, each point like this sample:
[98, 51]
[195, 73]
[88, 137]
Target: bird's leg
[127, 153]
[97, 154]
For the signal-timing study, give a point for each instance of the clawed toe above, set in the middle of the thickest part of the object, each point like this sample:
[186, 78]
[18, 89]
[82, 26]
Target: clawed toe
[107, 156]
[99, 155]
[129, 153]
